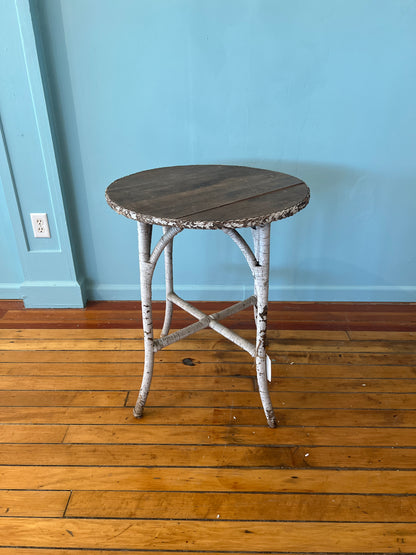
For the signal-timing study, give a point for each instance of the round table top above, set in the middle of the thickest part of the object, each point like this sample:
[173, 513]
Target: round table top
[208, 196]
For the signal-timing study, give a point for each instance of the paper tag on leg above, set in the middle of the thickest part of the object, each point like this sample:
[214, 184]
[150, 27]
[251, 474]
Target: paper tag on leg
[268, 368]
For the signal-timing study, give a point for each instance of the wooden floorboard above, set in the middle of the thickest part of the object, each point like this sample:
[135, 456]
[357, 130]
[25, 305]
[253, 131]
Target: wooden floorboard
[400, 317]
[201, 473]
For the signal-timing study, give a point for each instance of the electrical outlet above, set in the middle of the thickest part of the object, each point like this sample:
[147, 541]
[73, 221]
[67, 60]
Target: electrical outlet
[40, 225]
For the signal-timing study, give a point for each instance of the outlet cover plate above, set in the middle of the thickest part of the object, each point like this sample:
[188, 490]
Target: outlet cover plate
[40, 225]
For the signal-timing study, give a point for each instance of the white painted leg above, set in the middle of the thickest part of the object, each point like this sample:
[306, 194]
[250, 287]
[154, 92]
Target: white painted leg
[256, 254]
[146, 273]
[169, 285]
[261, 286]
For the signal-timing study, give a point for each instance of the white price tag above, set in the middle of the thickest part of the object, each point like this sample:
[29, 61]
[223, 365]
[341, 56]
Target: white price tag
[268, 368]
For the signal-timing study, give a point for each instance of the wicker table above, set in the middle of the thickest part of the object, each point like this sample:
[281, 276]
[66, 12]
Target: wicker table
[206, 197]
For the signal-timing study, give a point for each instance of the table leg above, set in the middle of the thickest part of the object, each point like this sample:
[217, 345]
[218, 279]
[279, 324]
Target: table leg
[260, 268]
[255, 235]
[146, 273]
[169, 285]
[261, 235]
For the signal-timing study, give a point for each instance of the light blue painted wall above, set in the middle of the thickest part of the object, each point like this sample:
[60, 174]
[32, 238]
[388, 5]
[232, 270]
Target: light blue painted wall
[42, 269]
[10, 269]
[324, 90]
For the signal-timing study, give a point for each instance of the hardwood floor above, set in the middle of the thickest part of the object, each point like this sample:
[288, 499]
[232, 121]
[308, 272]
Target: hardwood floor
[201, 472]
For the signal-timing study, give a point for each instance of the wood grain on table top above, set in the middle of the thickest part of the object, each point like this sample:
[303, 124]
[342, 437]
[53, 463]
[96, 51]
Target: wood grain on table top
[208, 196]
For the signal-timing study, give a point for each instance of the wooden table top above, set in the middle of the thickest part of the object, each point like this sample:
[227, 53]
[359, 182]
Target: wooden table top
[208, 196]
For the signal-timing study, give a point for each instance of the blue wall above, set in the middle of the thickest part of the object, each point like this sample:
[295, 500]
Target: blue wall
[43, 269]
[10, 270]
[324, 90]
